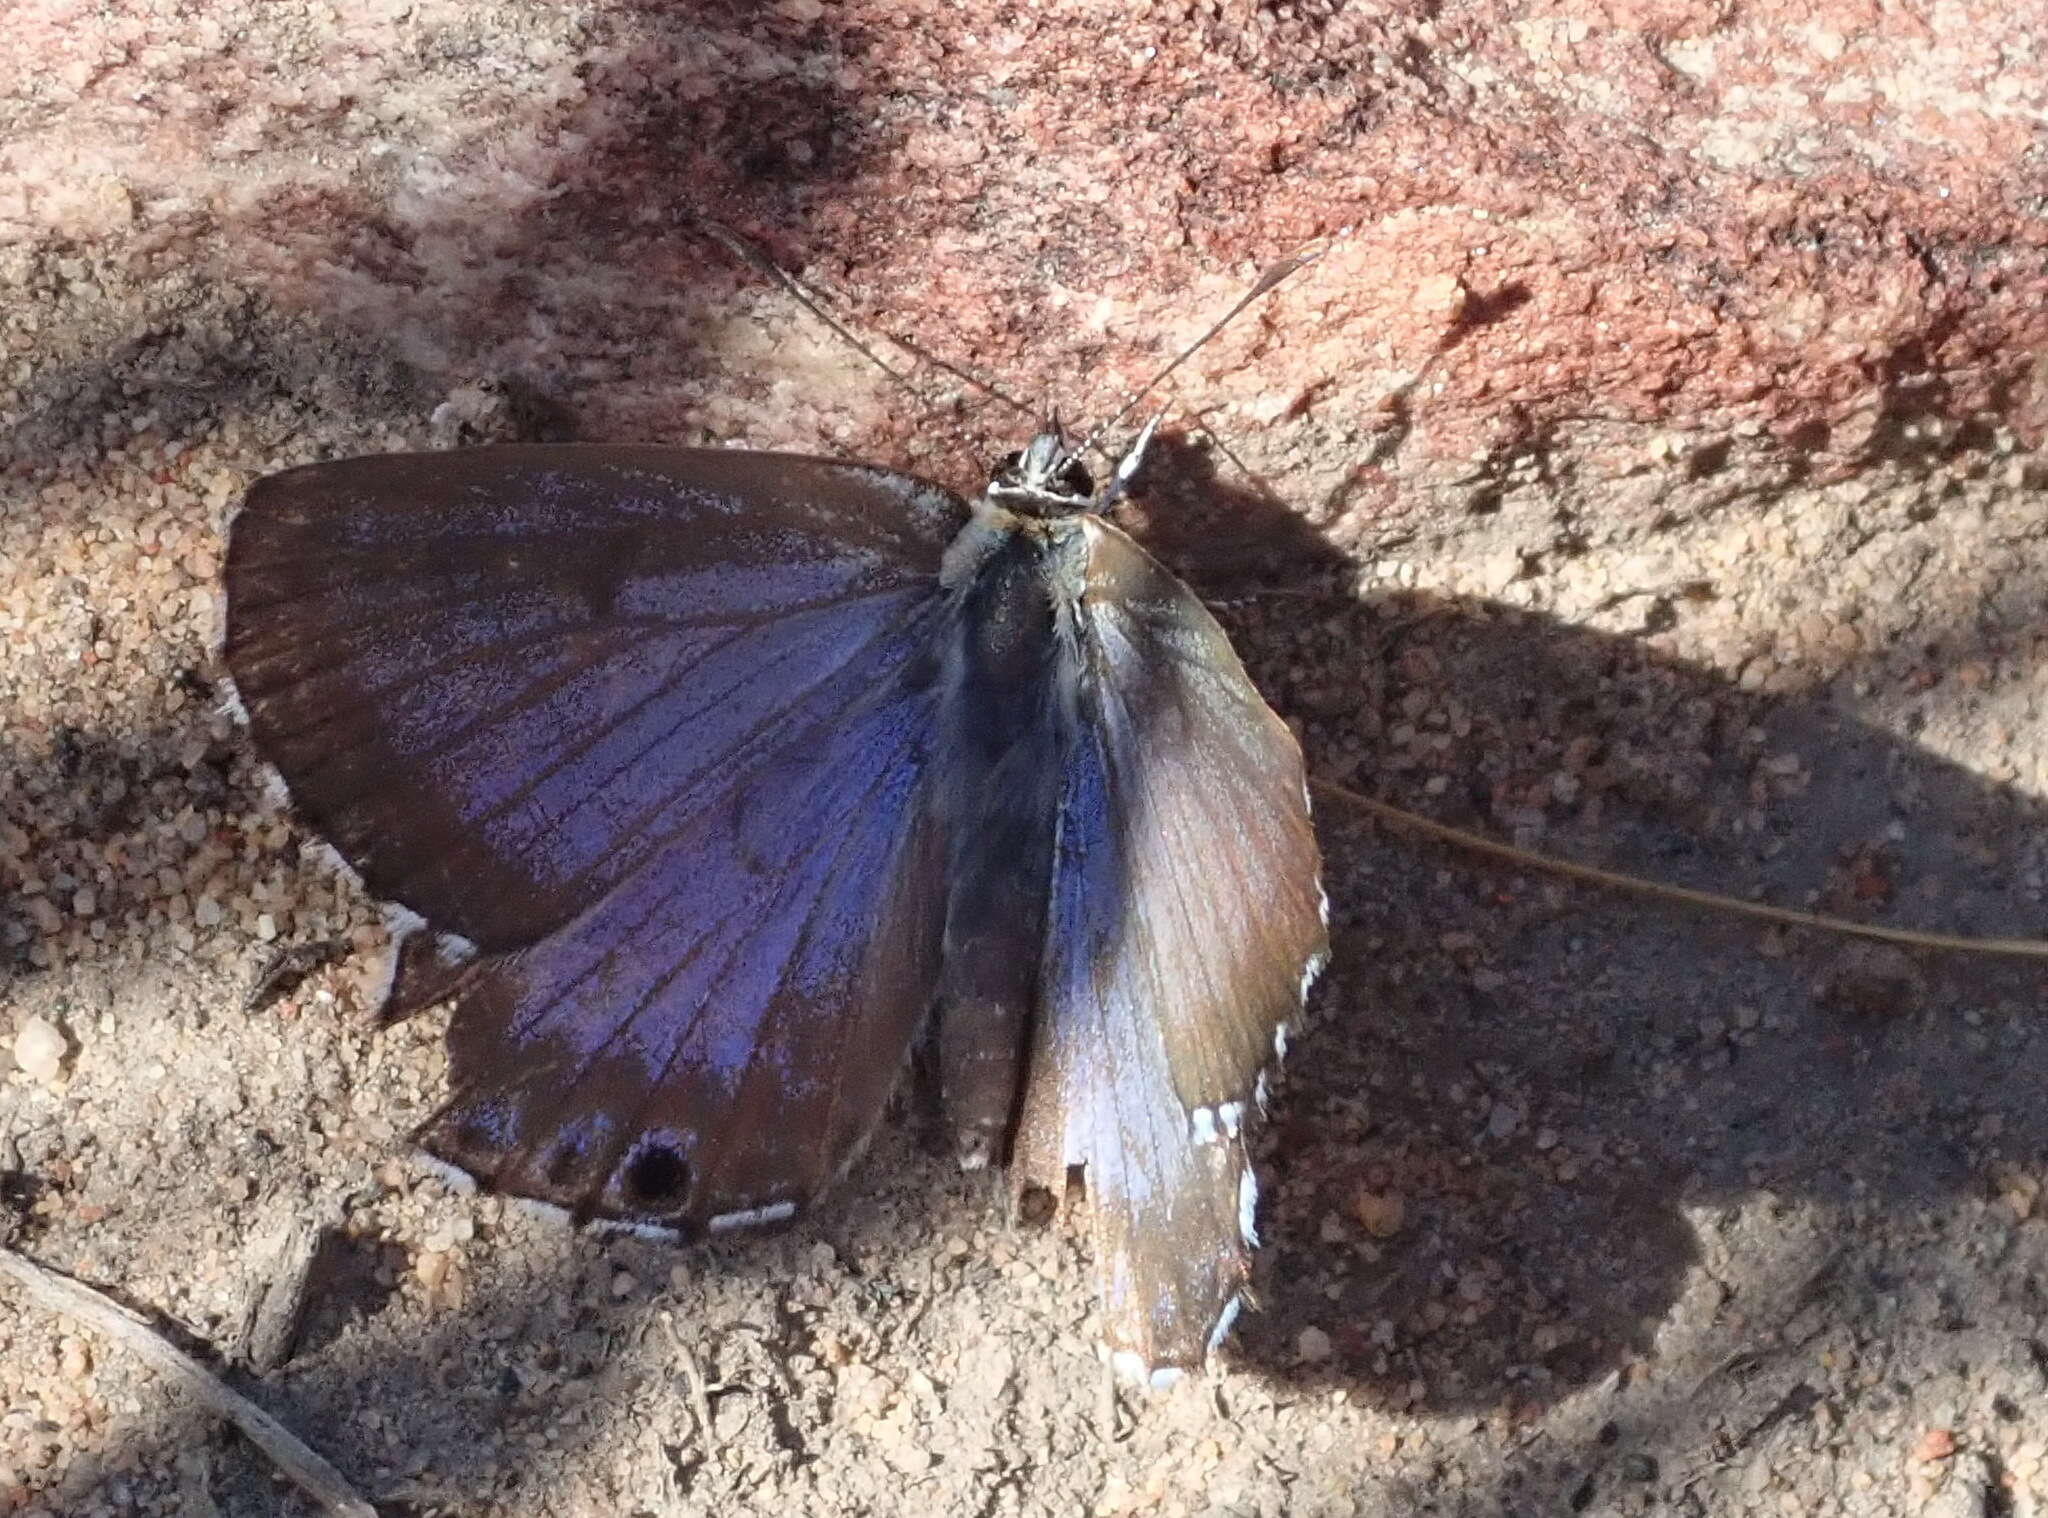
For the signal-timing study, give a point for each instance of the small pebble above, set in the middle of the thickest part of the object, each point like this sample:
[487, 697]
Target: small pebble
[1380, 1214]
[1313, 1345]
[39, 1049]
[1935, 1444]
[910, 1459]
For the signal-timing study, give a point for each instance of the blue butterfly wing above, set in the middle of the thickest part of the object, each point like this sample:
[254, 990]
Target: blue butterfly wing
[1185, 921]
[648, 731]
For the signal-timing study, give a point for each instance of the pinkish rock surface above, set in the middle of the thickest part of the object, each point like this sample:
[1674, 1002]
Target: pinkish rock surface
[1823, 221]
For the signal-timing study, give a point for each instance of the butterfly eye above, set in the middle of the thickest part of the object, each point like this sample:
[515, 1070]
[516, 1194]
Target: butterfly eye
[1075, 481]
[657, 1177]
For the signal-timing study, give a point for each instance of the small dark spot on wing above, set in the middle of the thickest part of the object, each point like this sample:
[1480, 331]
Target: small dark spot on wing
[657, 1177]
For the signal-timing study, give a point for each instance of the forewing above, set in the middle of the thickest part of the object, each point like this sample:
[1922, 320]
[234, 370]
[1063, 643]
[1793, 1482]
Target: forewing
[490, 677]
[649, 728]
[1186, 920]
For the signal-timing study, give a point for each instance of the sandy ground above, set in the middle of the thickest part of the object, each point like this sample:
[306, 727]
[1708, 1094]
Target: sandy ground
[1572, 1203]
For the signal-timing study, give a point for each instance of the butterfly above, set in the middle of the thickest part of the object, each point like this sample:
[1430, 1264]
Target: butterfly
[703, 779]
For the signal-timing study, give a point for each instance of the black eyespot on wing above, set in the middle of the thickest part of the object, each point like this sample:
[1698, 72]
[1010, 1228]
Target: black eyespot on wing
[656, 1177]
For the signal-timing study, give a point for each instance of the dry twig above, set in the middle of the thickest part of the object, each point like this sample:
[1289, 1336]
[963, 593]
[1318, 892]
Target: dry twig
[693, 1374]
[314, 1475]
[1400, 817]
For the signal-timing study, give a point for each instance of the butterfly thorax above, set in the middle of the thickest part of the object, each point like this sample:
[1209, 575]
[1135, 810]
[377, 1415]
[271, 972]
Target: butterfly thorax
[997, 526]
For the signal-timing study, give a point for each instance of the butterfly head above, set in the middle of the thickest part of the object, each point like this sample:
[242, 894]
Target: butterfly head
[1045, 478]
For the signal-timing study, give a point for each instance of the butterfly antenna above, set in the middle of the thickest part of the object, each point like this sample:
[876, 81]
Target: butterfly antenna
[1300, 259]
[747, 254]
[754, 259]
[966, 376]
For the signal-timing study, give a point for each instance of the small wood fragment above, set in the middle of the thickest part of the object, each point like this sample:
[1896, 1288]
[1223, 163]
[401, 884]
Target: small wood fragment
[319, 1480]
[272, 1329]
[693, 1374]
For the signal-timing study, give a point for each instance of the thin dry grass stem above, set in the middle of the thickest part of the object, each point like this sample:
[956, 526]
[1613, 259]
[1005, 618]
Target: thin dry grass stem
[312, 1474]
[1953, 943]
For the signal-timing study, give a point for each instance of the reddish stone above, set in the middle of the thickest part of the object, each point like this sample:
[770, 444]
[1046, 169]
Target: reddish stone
[1794, 228]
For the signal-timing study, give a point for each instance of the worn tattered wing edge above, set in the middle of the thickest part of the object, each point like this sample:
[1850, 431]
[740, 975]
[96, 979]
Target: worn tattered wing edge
[1229, 1122]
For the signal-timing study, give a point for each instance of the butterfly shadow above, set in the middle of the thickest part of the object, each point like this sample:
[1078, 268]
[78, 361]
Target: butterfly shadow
[1616, 1175]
